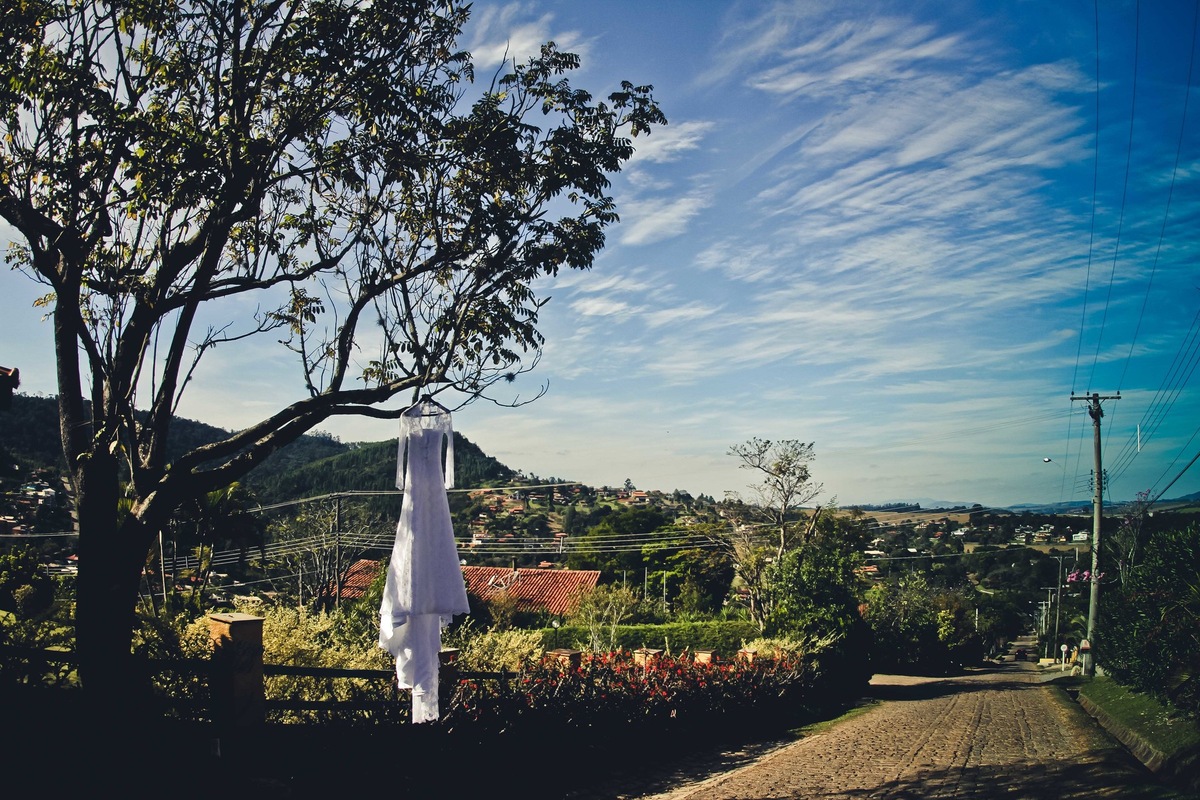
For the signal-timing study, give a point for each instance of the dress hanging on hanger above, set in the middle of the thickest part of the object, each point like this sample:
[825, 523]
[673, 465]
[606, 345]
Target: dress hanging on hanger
[424, 587]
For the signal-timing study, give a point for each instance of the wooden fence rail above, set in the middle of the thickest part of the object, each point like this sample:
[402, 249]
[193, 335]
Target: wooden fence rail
[235, 675]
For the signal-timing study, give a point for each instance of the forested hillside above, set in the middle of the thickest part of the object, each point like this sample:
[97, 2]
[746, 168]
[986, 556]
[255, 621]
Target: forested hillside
[363, 466]
[29, 432]
[316, 464]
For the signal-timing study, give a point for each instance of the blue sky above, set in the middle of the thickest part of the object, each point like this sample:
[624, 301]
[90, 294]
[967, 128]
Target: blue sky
[906, 232]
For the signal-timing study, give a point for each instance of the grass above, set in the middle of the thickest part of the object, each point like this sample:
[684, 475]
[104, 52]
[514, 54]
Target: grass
[1163, 727]
[820, 726]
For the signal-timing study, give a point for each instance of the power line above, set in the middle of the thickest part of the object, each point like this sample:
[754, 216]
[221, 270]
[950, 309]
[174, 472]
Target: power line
[1184, 365]
[400, 492]
[1162, 231]
[1124, 189]
[1095, 192]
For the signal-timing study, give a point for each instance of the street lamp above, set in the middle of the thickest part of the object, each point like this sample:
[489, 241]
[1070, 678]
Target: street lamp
[1063, 478]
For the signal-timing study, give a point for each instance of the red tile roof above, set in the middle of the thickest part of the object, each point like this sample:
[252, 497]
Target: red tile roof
[550, 590]
[358, 578]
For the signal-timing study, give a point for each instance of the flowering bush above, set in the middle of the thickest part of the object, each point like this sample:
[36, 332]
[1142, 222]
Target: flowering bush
[612, 692]
[1083, 576]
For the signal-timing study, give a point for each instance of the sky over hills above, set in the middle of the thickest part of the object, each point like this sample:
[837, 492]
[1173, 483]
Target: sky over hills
[907, 232]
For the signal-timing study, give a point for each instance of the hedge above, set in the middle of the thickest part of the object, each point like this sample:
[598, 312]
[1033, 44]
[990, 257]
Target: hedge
[725, 638]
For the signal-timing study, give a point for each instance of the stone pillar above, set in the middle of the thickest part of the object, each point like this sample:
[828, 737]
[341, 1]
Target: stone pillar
[447, 675]
[570, 659]
[645, 656]
[236, 680]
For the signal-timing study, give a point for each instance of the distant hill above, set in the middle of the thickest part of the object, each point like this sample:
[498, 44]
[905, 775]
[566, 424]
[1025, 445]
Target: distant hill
[314, 464]
[362, 466]
[318, 463]
[29, 432]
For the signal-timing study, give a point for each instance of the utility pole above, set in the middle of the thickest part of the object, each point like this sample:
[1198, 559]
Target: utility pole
[1096, 413]
[1058, 597]
[1046, 626]
[337, 549]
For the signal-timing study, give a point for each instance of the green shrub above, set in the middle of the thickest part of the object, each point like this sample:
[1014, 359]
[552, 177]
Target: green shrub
[1149, 638]
[725, 638]
[494, 650]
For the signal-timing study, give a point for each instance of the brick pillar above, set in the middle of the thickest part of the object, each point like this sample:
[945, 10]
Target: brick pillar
[645, 656]
[236, 680]
[447, 677]
[571, 659]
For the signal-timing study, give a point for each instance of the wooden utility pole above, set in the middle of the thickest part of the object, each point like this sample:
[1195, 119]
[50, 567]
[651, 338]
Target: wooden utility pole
[337, 549]
[1095, 412]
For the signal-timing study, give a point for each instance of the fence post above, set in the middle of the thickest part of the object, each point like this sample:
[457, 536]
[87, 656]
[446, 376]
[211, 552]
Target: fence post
[236, 679]
[447, 677]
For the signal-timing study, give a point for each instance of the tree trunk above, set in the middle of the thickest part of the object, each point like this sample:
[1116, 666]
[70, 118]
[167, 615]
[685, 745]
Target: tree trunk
[758, 610]
[111, 559]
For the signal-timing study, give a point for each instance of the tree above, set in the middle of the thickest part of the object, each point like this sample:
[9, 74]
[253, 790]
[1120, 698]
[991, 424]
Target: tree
[751, 556]
[309, 548]
[786, 485]
[920, 628]
[1152, 621]
[25, 589]
[219, 517]
[167, 165]
[601, 611]
[618, 542]
[817, 590]
[705, 576]
[814, 595]
[1129, 538]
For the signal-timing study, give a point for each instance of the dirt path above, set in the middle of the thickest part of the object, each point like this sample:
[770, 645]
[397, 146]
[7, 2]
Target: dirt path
[987, 735]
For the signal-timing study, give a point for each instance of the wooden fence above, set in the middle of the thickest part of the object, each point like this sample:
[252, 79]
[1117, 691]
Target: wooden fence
[236, 676]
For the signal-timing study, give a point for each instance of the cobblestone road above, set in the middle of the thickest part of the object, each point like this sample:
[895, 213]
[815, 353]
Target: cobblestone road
[988, 735]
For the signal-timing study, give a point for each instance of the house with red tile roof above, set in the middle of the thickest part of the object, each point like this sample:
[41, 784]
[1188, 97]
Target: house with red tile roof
[534, 589]
[358, 578]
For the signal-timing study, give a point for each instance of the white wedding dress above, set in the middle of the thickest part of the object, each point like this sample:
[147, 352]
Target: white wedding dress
[425, 586]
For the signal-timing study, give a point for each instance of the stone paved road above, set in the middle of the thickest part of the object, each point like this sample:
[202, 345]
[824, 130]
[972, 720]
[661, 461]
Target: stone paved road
[988, 735]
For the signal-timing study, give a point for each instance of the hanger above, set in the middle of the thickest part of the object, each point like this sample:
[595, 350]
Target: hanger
[426, 400]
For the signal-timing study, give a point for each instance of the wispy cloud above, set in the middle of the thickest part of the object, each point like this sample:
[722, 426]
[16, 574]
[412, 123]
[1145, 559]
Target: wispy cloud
[670, 143]
[600, 307]
[688, 313]
[872, 55]
[505, 33]
[654, 219]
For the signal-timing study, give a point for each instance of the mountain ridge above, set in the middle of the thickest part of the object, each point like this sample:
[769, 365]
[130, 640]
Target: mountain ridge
[316, 463]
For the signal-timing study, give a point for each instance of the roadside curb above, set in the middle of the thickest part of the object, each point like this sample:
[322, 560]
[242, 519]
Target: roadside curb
[1151, 757]
[1180, 769]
